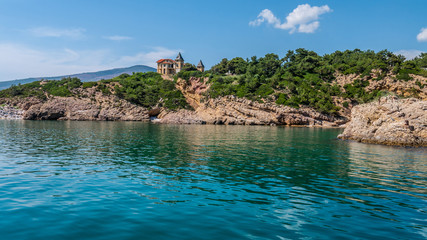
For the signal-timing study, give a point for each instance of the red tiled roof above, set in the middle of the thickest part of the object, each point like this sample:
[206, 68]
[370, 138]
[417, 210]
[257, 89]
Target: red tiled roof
[163, 60]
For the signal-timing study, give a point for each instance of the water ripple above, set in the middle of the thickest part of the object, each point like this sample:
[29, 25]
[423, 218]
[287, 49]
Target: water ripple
[121, 180]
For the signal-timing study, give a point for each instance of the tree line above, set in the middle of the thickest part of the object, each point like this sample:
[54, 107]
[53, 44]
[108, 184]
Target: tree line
[303, 77]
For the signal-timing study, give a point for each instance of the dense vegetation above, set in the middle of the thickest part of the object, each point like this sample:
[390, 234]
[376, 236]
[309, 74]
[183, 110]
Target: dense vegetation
[42, 88]
[145, 89]
[149, 89]
[303, 77]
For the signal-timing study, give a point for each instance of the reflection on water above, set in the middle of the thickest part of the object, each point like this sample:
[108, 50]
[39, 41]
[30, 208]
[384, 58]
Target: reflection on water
[133, 180]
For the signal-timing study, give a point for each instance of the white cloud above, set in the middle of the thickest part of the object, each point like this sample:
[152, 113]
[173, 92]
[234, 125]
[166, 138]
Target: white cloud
[409, 54]
[308, 28]
[75, 33]
[20, 61]
[118, 38]
[422, 36]
[266, 15]
[302, 19]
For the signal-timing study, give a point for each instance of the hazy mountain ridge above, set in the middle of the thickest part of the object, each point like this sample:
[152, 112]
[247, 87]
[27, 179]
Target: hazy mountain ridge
[84, 77]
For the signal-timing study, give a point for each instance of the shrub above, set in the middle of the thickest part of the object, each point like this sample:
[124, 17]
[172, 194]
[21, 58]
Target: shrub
[149, 90]
[404, 74]
[345, 104]
[89, 84]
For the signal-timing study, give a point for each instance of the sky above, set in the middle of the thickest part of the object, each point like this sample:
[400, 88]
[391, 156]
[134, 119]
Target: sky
[41, 38]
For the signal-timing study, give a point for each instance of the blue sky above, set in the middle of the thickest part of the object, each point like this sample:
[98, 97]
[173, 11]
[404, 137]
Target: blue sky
[51, 37]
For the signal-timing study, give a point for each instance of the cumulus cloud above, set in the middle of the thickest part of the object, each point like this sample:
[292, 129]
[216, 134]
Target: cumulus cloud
[302, 19]
[118, 38]
[409, 54]
[422, 36]
[57, 33]
[266, 15]
[21, 61]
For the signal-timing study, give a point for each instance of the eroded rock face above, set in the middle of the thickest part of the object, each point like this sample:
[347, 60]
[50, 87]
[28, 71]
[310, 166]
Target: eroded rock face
[94, 106]
[180, 117]
[390, 121]
[69, 108]
[9, 112]
[411, 88]
[232, 110]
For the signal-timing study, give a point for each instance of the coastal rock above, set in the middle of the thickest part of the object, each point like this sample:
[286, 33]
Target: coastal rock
[181, 117]
[9, 112]
[389, 121]
[415, 87]
[87, 105]
[106, 108]
[231, 110]
[20, 103]
[92, 104]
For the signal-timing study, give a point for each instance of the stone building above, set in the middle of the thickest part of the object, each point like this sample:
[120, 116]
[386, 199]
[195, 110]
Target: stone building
[171, 67]
[200, 66]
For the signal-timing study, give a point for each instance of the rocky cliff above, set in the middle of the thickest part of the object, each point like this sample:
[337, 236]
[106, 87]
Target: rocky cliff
[415, 87]
[232, 110]
[390, 121]
[91, 104]
[88, 105]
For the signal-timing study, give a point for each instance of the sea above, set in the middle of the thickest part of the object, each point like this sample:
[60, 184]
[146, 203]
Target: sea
[139, 180]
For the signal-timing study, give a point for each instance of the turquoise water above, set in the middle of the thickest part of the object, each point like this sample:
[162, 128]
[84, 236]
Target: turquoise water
[131, 180]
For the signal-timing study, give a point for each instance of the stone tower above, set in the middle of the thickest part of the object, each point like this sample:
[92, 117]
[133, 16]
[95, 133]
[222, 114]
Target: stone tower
[200, 66]
[179, 63]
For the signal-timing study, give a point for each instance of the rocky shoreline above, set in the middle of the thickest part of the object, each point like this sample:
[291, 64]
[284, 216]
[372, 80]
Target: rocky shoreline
[224, 110]
[92, 105]
[10, 112]
[98, 107]
[231, 110]
[389, 121]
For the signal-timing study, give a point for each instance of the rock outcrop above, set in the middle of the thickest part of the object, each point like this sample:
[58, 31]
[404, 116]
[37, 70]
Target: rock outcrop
[69, 108]
[415, 87]
[9, 112]
[232, 110]
[180, 117]
[389, 121]
[97, 107]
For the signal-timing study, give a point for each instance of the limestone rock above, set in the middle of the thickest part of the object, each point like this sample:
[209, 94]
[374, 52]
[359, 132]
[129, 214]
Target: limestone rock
[88, 105]
[231, 110]
[9, 112]
[416, 87]
[390, 121]
[107, 108]
[181, 117]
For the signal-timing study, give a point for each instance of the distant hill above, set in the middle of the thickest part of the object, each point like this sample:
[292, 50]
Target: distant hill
[85, 77]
